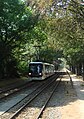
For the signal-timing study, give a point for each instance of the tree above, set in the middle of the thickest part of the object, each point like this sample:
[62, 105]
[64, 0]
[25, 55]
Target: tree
[77, 10]
[16, 20]
[67, 31]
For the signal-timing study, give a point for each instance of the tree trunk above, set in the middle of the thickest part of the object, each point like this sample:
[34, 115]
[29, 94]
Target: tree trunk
[73, 69]
[78, 69]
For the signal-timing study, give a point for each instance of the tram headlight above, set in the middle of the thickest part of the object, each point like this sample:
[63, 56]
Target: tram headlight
[40, 74]
[29, 73]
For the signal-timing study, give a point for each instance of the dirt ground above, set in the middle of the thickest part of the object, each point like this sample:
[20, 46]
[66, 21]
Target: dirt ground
[72, 104]
[75, 109]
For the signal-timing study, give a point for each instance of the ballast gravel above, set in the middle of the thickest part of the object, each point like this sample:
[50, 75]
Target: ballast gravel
[67, 102]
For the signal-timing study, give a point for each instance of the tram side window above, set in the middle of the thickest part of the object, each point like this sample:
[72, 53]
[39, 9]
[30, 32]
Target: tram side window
[52, 68]
[46, 68]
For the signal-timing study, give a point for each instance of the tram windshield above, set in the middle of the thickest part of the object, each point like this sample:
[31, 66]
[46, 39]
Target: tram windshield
[35, 68]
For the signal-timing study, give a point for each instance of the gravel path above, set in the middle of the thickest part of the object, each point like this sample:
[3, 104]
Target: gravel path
[73, 106]
[67, 102]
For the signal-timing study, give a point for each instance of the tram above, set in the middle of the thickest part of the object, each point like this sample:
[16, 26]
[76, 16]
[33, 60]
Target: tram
[40, 70]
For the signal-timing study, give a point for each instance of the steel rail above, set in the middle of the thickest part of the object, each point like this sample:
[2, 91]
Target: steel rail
[30, 100]
[12, 87]
[22, 99]
[15, 90]
[26, 97]
[44, 106]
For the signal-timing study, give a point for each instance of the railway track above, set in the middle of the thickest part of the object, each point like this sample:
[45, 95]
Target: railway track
[18, 107]
[12, 86]
[15, 89]
[4, 94]
[48, 99]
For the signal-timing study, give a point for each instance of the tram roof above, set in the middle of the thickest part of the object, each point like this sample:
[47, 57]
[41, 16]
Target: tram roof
[36, 63]
[40, 63]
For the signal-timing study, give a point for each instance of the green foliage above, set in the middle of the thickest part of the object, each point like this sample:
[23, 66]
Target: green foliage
[16, 20]
[77, 10]
[46, 29]
[50, 55]
[23, 67]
